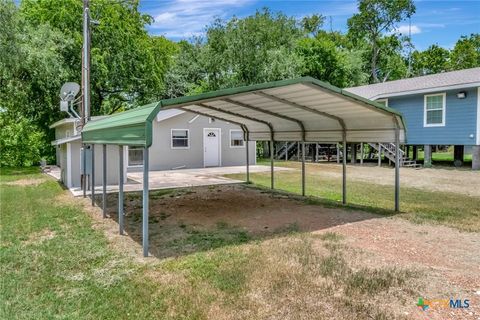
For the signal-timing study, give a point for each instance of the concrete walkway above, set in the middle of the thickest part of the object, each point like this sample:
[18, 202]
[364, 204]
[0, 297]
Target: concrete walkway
[184, 178]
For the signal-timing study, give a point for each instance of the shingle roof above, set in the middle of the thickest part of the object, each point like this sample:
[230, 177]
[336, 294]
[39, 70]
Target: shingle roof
[458, 79]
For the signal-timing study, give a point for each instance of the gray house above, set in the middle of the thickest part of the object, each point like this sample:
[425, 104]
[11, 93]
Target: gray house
[181, 140]
[439, 109]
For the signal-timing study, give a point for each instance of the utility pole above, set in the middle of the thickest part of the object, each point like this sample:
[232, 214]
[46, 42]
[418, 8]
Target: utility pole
[85, 116]
[86, 63]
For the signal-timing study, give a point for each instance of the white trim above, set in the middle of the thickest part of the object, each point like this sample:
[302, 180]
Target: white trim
[230, 140]
[478, 116]
[427, 90]
[444, 109]
[171, 139]
[219, 145]
[194, 118]
[69, 166]
[383, 100]
[65, 140]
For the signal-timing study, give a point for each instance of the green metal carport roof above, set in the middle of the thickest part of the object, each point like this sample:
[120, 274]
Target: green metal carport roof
[302, 109]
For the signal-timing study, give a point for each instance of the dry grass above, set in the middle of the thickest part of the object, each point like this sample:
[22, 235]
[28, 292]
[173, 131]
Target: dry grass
[302, 276]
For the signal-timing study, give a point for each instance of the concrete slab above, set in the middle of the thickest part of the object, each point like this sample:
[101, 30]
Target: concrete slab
[184, 178]
[54, 172]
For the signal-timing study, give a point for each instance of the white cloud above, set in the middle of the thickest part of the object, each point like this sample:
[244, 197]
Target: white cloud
[405, 29]
[186, 18]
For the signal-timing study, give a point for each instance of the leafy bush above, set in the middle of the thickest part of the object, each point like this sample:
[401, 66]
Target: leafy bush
[21, 142]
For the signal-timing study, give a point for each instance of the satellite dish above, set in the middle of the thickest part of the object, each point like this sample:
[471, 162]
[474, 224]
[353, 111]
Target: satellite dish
[69, 91]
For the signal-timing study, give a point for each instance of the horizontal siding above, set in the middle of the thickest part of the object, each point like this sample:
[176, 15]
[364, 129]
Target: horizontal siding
[460, 119]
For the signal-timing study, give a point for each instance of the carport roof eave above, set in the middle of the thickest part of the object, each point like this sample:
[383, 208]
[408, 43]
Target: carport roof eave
[138, 119]
[145, 115]
[175, 102]
[225, 93]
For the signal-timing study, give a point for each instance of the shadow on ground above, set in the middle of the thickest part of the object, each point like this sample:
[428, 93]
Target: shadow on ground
[184, 221]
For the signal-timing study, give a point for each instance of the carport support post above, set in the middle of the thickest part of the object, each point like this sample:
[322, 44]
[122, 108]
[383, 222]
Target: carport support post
[397, 170]
[84, 173]
[362, 153]
[104, 182]
[93, 175]
[248, 157]
[272, 178]
[344, 169]
[379, 154]
[145, 203]
[120, 189]
[303, 168]
[338, 153]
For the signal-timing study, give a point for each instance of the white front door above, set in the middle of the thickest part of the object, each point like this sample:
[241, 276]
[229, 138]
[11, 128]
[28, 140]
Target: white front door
[211, 143]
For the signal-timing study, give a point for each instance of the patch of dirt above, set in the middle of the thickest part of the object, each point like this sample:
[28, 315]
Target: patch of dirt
[26, 182]
[255, 211]
[39, 237]
[449, 257]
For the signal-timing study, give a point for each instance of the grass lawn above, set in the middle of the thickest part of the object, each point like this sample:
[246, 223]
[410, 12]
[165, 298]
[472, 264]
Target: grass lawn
[56, 264]
[451, 209]
[443, 157]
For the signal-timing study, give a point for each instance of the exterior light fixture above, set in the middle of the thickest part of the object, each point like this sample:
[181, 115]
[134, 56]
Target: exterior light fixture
[461, 95]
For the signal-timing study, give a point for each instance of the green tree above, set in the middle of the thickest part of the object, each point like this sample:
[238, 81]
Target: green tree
[391, 63]
[433, 60]
[41, 44]
[31, 72]
[21, 142]
[375, 19]
[187, 73]
[322, 60]
[128, 65]
[333, 58]
[312, 24]
[466, 53]
[241, 51]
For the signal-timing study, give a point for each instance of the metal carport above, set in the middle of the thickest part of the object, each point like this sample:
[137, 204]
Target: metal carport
[303, 109]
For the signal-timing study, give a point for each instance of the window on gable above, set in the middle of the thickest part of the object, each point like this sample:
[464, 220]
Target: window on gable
[236, 138]
[180, 138]
[135, 156]
[435, 110]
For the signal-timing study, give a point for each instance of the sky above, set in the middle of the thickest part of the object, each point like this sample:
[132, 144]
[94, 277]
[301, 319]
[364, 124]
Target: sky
[439, 22]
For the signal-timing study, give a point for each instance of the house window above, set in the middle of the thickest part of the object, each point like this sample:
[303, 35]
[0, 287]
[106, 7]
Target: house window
[434, 113]
[382, 101]
[135, 156]
[180, 139]
[236, 139]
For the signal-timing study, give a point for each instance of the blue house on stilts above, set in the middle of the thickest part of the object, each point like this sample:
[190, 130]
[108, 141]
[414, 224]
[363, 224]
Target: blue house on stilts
[439, 109]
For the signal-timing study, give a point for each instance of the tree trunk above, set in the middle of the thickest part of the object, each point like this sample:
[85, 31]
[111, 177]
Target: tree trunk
[375, 52]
